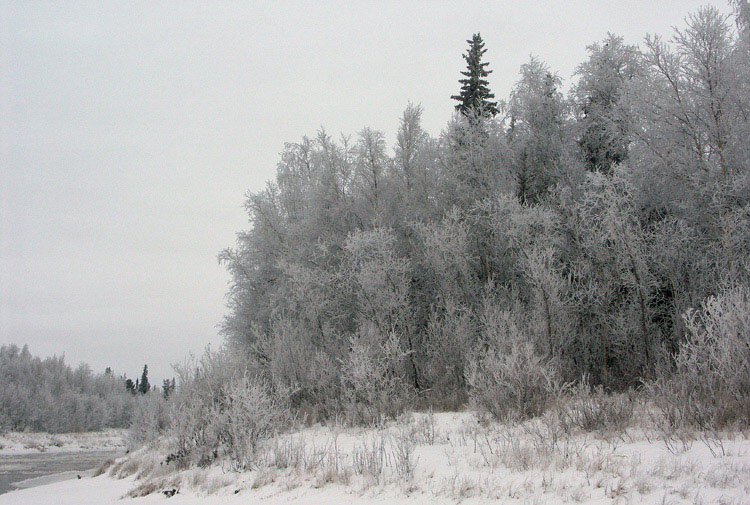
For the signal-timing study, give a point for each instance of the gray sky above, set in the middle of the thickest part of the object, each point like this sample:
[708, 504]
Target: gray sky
[130, 131]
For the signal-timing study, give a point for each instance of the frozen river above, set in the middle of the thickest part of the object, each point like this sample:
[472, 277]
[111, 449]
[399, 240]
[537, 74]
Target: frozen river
[34, 469]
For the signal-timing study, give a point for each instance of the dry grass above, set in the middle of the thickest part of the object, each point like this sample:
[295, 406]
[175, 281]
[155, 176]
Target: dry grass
[102, 469]
[464, 457]
[152, 486]
[264, 478]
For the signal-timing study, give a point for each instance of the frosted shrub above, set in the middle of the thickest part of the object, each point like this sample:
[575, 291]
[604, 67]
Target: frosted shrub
[244, 414]
[516, 384]
[198, 402]
[370, 459]
[188, 422]
[507, 377]
[4, 423]
[149, 420]
[592, 410]
[710, 387]
[251, 415]
[402, 449]
[301, 375]
[449, 338]
[373, 378]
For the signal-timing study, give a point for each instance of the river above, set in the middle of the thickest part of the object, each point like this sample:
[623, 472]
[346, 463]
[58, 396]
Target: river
[39, 468]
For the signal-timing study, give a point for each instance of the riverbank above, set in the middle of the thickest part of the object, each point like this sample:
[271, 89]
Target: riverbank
[434, 459]
[19, 443]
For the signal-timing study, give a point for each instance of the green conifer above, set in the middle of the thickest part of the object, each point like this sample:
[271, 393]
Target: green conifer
[475, 97]
[144, 386]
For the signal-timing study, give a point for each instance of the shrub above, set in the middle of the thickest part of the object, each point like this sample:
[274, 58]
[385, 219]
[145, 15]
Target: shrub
[251, 415]
[517, 384]
[592, 410]
[220, 408]
[149, 420]
[374, 378]
[710, 386]
[449, 338]
[301, 375]
[507, 377]
[370, 458]
[402, 448]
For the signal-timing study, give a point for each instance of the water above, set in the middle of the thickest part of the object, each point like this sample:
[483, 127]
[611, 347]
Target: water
[15, 469]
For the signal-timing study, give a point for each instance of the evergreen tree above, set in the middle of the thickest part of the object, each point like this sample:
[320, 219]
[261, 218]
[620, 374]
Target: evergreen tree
[130, 386]
[475, 97]
[144, 387]
[167, 387]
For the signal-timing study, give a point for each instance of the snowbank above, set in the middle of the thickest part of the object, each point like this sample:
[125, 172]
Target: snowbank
[454, 458]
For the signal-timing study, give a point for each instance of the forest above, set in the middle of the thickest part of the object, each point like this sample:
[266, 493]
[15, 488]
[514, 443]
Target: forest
[599, 237]
[48, 395]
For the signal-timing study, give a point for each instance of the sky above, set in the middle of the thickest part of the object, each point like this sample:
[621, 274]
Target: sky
[130, 133]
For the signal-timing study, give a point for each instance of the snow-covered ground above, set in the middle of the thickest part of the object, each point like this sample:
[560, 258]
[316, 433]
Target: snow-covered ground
[445, 458]
[15, 443]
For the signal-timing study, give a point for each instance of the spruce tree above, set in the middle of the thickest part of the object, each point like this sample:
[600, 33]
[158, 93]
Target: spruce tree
[144, 387]
[475, 97]
[167, 388]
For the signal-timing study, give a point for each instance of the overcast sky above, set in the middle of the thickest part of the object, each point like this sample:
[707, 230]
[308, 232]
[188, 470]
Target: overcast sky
[130, 131]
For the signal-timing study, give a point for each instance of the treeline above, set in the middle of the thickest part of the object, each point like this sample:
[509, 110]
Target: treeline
[575, 234]
[48, 395]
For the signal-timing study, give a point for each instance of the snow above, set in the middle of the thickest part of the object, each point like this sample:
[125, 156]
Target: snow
[92, 491]
[466, 461]
[17, 443]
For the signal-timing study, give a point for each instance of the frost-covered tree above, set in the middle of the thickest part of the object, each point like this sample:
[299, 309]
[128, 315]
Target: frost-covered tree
[691, 104]
[414, 165]
[372, 170]
[537, 132]
[48, 395]
[604, 124]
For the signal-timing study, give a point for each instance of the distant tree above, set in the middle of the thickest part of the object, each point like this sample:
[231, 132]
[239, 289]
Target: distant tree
[167, 388]
[475, 97]
[130, 386]
[48, 395]
[144, 386]
[371, 168]
[108, 371]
